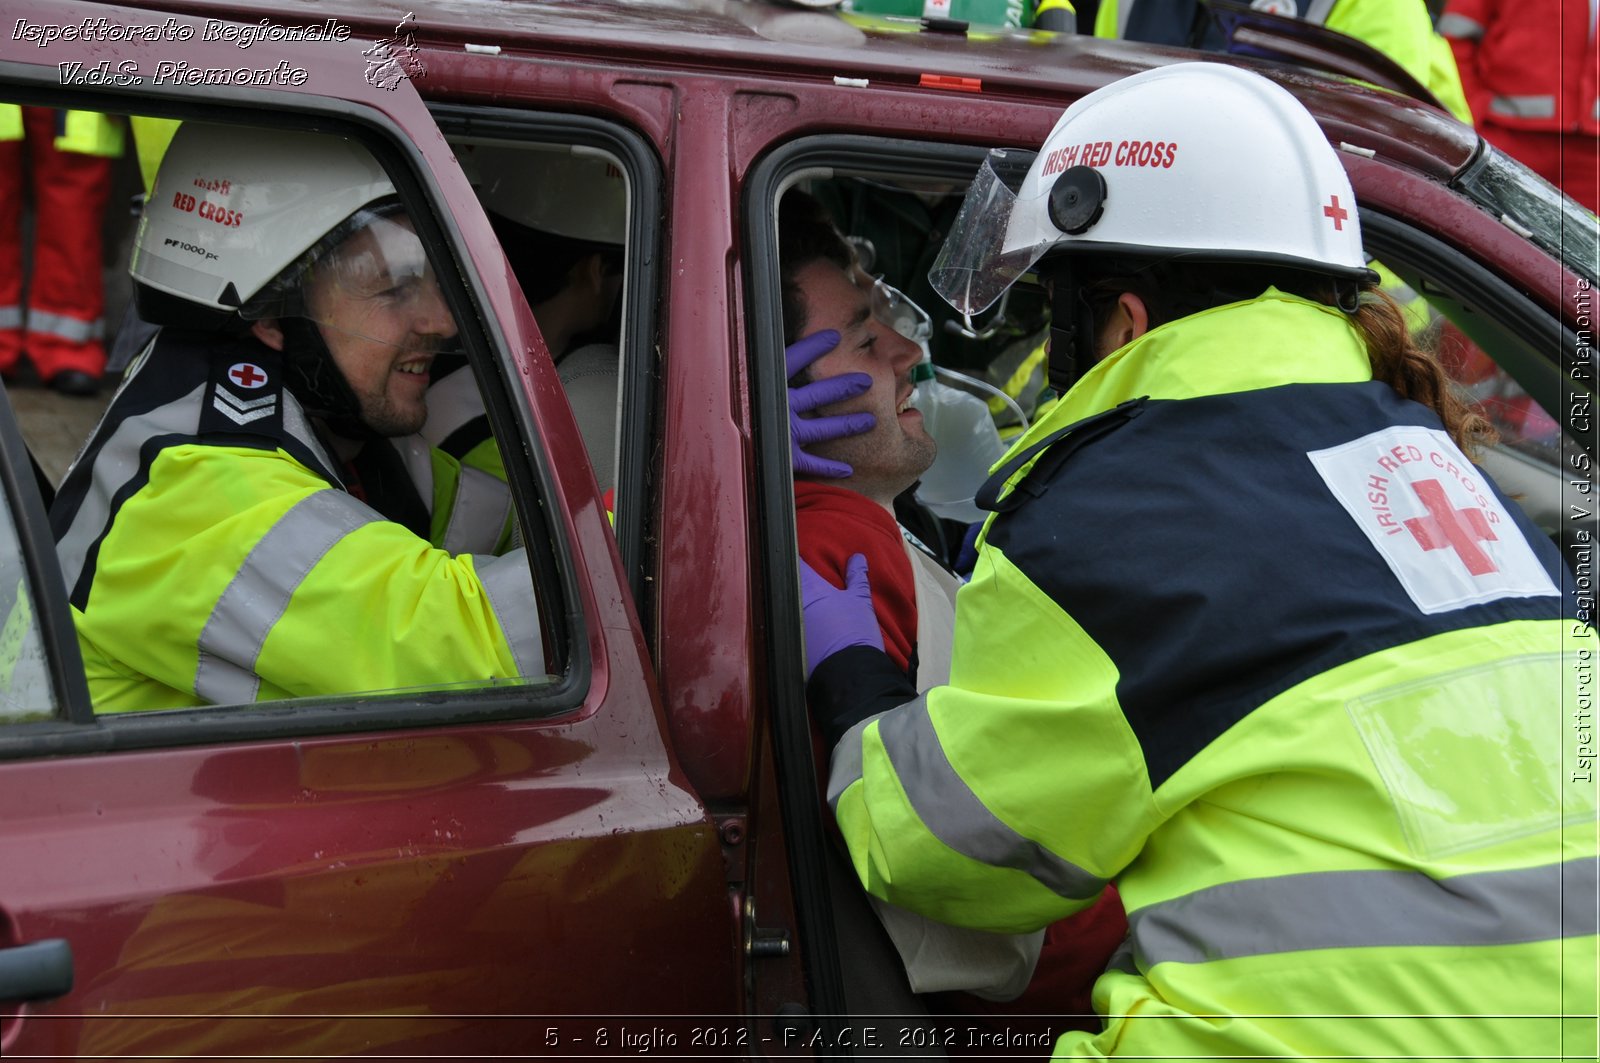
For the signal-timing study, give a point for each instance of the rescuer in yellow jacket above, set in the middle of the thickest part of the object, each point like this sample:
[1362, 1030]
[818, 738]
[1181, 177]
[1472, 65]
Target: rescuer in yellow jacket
[1249, 634]
[1400, 29]
[254, 517]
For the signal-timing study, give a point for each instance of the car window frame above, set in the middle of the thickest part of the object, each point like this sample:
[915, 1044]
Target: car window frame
[777, 545]
[552, 558]
[641, 372]
[52, 616]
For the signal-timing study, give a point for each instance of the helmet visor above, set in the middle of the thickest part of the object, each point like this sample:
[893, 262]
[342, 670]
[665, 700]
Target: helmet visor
[984, 255]
[373, 269]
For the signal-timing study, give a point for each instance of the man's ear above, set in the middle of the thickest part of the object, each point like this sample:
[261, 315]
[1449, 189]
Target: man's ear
[1138, 315]
[591, 272]
[1128, 321]
[268, 331]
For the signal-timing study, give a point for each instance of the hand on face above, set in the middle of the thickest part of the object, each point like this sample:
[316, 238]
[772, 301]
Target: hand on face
[806, 430]
[897, 449]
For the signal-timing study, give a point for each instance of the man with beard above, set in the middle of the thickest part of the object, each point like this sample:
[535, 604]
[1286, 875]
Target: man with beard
[847, 354]
[254, 519]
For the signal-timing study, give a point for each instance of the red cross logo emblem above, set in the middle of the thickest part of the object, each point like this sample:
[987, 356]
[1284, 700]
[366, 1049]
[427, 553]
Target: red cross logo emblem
[247, 376]
[1336, 212]
[1447, 527]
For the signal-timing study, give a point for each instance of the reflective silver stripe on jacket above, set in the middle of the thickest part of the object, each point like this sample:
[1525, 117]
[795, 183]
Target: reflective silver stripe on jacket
[10, 317]
[1460, 27]
[1523, 106]
[259, 592]
[947, 806]
[1367, 909]
[67, 328]
[118, 461]
[478, 515]
[509, 584]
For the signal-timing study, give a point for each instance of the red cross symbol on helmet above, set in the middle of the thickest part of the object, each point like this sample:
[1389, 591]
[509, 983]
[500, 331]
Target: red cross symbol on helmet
[1336, 212]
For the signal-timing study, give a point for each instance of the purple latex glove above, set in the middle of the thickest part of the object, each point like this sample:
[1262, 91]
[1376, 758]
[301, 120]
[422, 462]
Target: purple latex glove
[837, 619]
[805, 430]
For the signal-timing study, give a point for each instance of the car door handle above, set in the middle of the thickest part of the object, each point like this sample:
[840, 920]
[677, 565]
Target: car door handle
[41, 970]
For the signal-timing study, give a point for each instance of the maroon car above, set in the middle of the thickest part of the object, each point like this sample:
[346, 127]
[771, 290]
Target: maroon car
[629, 853]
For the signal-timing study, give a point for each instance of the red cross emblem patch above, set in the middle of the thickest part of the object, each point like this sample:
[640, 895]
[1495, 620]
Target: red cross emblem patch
[1437, 524]
[247, 375]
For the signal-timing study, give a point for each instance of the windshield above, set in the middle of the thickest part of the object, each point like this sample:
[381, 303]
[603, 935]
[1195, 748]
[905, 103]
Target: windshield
[1512, 192]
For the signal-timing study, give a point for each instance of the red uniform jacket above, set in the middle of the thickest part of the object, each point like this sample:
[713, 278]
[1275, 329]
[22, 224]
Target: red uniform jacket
[1527, 64]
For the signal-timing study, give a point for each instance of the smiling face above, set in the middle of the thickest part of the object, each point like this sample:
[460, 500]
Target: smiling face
[381, 313]
[888, 459]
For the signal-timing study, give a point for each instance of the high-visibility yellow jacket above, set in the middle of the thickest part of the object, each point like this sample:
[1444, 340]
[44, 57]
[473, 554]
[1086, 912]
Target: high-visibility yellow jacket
[1400, 29]
[213, 553]
[1249, 637]
[150, 139]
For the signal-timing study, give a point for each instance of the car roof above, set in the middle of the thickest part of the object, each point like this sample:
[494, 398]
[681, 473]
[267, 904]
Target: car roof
[778, 42]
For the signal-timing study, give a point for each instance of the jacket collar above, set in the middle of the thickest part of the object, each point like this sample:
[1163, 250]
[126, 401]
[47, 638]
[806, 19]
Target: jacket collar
[1268, 341]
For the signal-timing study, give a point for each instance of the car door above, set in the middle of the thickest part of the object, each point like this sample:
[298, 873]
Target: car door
[444, 870]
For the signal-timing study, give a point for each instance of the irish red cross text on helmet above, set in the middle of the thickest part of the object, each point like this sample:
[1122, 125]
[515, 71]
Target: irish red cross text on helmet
[233, 207]
[1197, 161]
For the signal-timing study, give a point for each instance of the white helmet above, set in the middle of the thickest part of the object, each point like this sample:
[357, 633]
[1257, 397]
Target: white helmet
[1198, 161]
[233, 207]
[556, 191]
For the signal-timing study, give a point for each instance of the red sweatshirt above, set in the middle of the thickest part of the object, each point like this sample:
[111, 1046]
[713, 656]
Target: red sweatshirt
[835, 522]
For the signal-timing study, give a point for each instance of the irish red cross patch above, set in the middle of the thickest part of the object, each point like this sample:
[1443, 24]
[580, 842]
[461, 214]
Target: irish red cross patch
[1427, 510]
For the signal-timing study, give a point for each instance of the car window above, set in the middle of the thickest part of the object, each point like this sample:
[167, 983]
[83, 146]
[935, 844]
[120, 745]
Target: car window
[238, 526]
[576, 205]
[1527, 202]
[27, 693]
[561, 214]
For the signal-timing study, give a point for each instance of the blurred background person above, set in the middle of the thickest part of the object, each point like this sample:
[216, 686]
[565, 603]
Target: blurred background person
[1403, 30]
[1530, 70]
[65, 159]
[562, 220]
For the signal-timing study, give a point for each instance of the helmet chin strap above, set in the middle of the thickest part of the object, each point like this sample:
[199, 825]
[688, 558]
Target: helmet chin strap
[1071, 328]
[315, 380]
